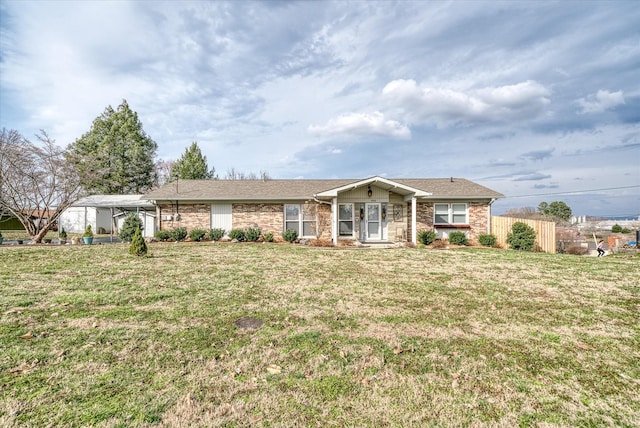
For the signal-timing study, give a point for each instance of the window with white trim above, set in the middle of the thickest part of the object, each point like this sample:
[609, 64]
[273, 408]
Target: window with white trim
[345, 219]
[456, 213]
[300, 218]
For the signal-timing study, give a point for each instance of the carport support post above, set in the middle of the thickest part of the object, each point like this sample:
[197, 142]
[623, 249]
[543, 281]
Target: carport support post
[111, 228]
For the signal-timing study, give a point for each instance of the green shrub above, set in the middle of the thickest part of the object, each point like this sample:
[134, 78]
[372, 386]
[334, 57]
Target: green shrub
[426, 237]
[616, 228]
[522, 237]
[197, 235]
[268, 237]
[138, 247]
[163, 235]
[290, 235]
[458, 238]
[131, 224]
[238, 235]
[216, 234]
[488, 240]
[179, 233]
[252, 234]
[88, 233]
[625, 230]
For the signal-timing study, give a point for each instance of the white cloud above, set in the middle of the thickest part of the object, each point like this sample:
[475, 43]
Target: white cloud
[426, 104]
[362, 125]
[601, 101]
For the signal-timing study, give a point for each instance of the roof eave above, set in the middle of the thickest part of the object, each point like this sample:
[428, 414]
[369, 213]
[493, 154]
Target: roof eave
[332, 193]
[467, 197]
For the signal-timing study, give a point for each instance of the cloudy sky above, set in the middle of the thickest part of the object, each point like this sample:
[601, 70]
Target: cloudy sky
[527, 98]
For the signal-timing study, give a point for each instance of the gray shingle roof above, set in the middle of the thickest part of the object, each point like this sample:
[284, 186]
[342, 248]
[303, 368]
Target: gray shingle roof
[247, 190]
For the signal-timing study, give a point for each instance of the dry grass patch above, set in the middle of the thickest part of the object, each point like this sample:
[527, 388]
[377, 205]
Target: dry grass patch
[395, 337]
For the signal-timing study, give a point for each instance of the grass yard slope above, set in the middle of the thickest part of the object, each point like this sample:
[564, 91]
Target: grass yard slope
[92, 336]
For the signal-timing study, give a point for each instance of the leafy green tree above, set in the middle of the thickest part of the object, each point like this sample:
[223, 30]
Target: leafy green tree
[559, 209]
[556, 209]
[116, 156]
[543, 207]
[521, 237]
[192, 165]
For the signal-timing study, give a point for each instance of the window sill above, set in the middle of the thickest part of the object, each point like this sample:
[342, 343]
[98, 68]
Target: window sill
[452, 226]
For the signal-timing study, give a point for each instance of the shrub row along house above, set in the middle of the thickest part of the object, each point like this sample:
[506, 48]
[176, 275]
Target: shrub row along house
[375, 209]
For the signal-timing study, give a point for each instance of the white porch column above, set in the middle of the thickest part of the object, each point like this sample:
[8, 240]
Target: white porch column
[414, 223]
[334, 221]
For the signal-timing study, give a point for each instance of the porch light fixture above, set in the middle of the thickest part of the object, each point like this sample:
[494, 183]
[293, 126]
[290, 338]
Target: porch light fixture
[369, 192]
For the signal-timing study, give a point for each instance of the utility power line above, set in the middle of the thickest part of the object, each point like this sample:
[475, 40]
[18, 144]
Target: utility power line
[573, 192]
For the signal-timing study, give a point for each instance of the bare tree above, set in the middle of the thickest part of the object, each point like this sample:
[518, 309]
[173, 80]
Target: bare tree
[234, 174]
[523, 212]
[163, 171]
[36, 182]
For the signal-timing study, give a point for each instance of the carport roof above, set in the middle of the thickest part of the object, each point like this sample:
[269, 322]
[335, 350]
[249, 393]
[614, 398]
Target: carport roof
[113, 201]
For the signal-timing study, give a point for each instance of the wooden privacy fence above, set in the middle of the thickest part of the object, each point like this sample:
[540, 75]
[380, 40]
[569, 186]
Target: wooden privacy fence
[545, 232]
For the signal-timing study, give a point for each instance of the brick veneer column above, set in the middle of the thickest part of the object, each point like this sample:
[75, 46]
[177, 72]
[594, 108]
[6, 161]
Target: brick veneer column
[478, 212]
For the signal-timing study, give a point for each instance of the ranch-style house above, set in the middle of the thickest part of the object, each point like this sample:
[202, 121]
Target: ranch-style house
[368, 210]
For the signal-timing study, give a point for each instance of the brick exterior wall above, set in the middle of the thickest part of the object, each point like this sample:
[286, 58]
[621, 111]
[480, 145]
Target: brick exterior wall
[478, 218]
[268, 217]
[478, 212]
[192, 216]
[324, 221]
[424, 216]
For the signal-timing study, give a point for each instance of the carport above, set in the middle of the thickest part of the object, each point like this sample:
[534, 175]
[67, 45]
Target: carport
[106, 214]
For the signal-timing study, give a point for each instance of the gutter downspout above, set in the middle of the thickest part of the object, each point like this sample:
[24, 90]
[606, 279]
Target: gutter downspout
[489, 216]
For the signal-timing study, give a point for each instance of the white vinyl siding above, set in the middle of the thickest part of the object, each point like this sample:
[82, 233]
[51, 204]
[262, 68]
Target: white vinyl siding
[221, 217]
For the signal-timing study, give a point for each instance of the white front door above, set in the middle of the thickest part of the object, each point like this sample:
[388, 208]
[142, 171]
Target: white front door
[373, 221]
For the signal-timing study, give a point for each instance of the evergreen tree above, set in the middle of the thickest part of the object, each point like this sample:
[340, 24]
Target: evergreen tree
[521, 237]
[560, 209]
[556, 209]
[192, 165]
[131, 224]
[116, 156]
[138, 247]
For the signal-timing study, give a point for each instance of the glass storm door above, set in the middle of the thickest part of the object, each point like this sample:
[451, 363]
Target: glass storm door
[373, 222]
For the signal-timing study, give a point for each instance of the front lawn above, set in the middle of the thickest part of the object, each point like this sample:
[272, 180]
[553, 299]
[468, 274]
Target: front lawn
[348, 337]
